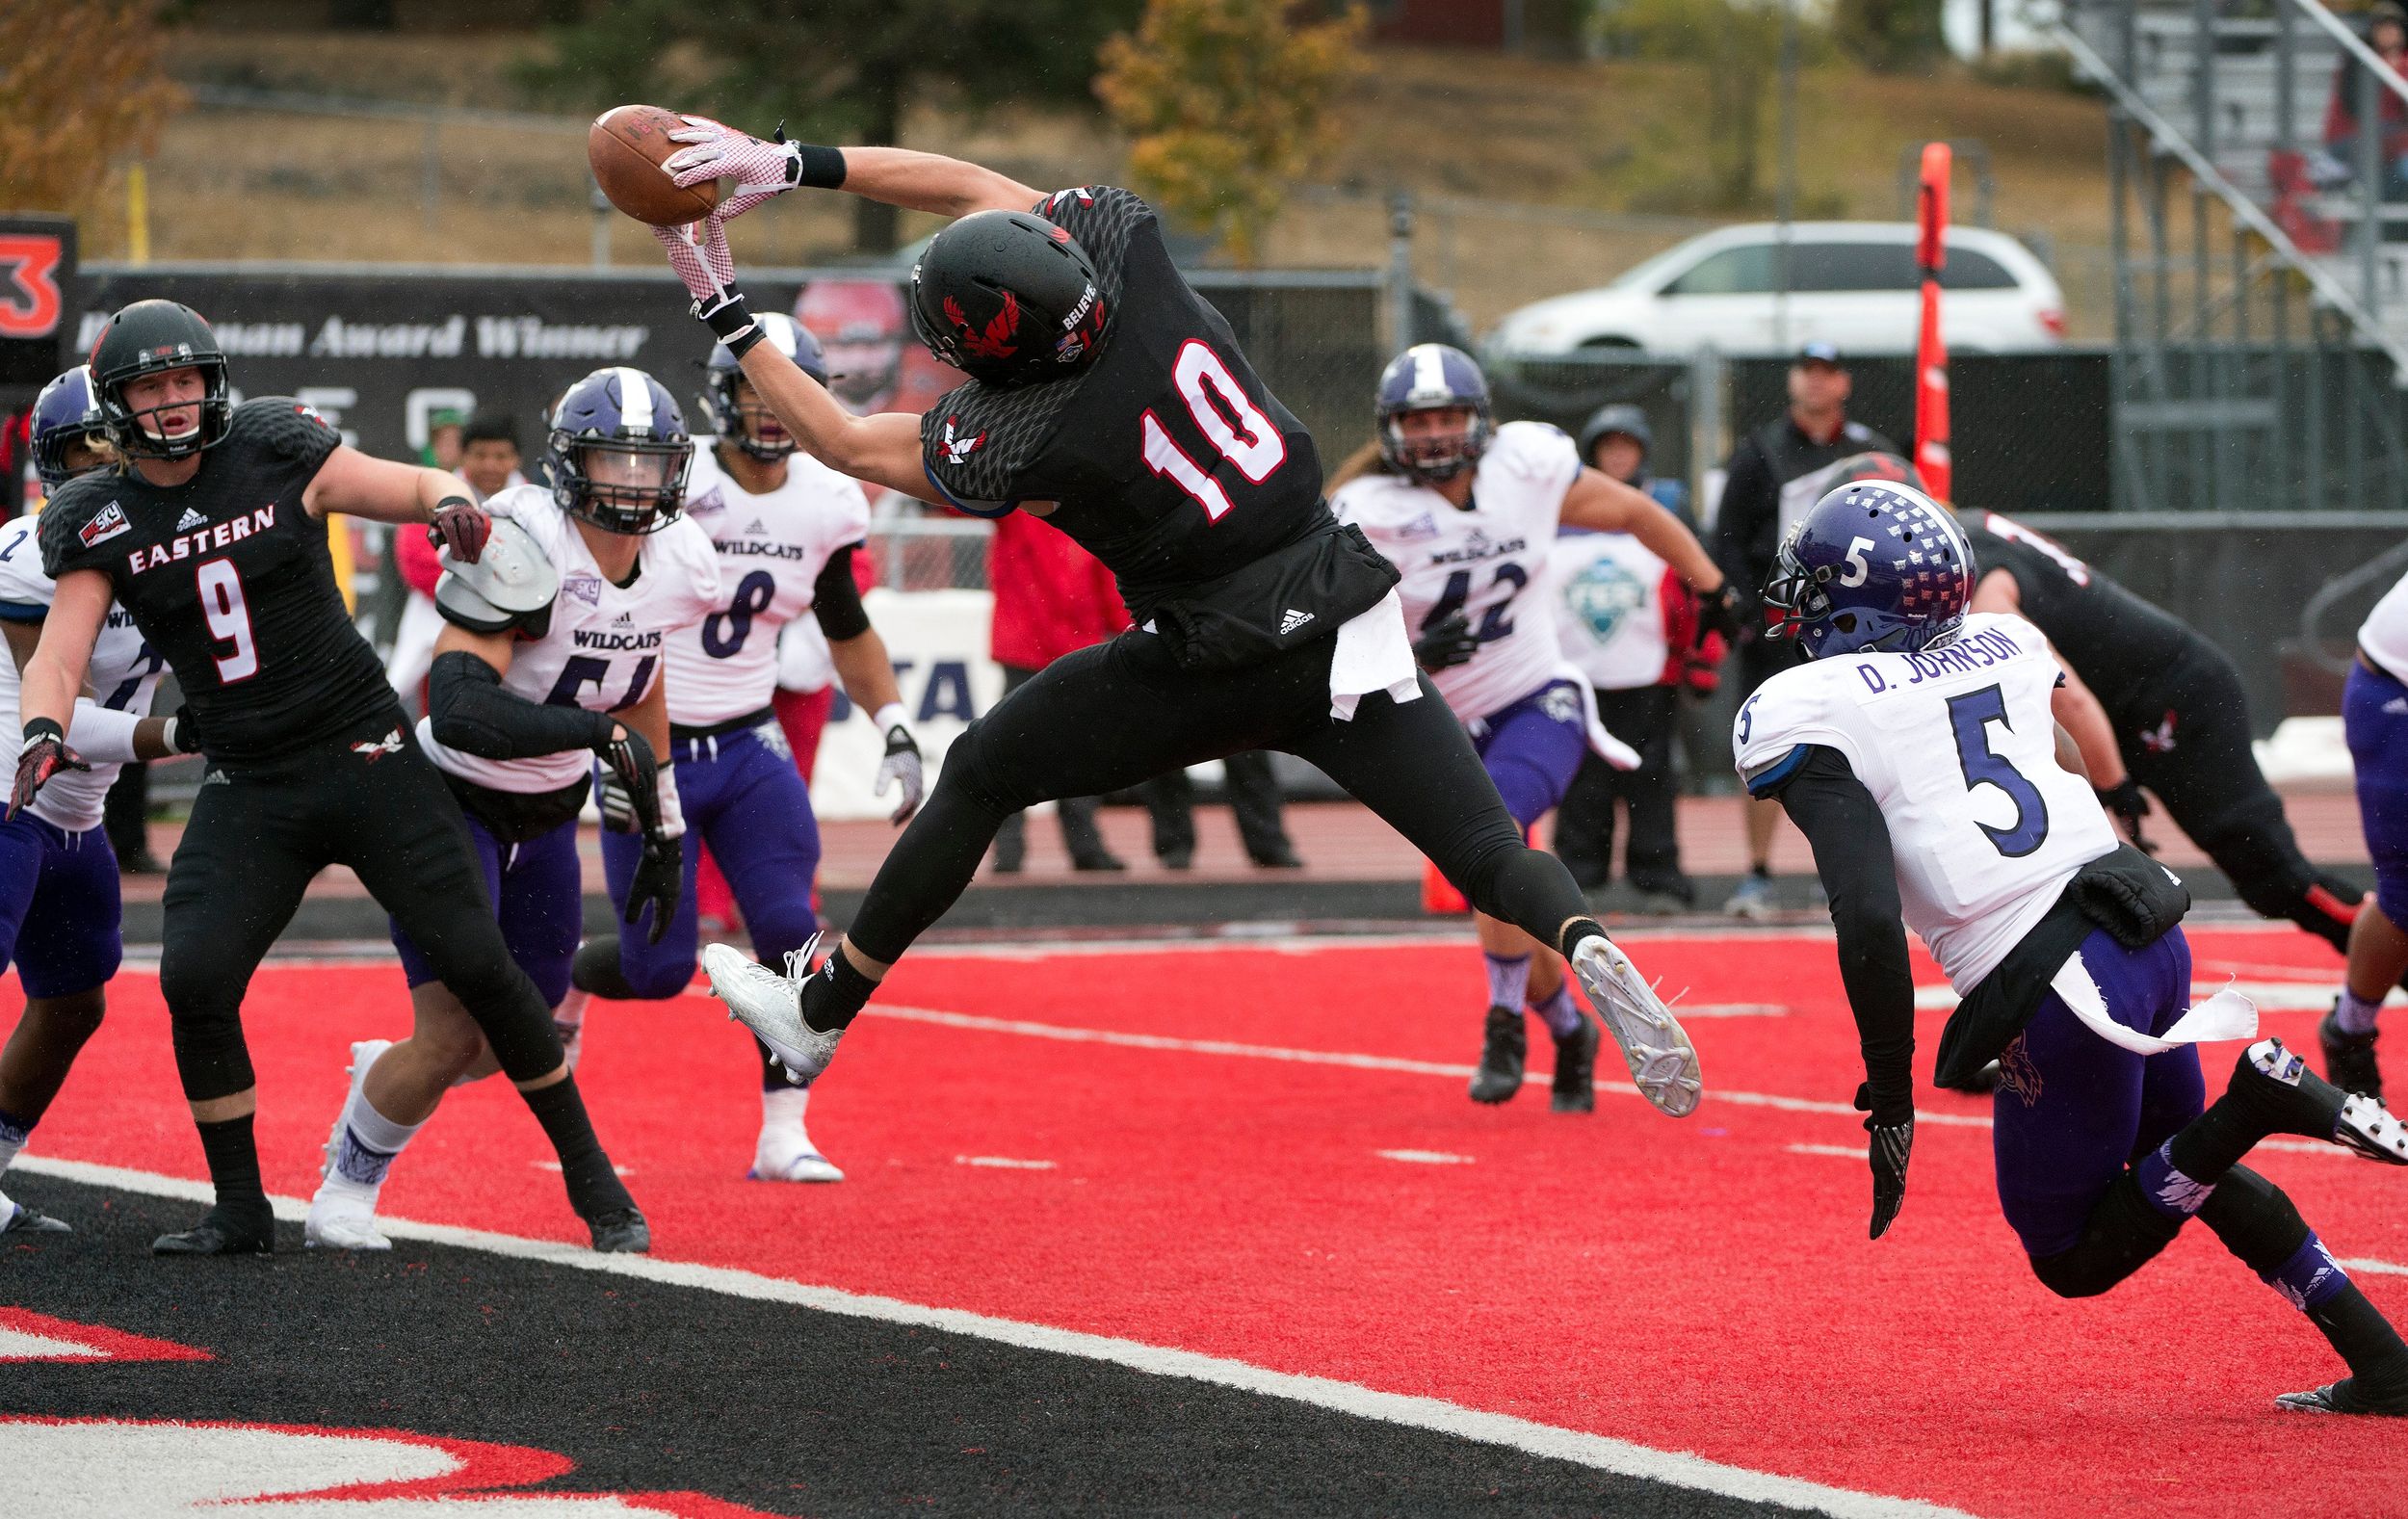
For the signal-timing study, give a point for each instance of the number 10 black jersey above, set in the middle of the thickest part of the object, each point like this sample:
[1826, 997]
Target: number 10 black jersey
[1171, 461]
[229, 578]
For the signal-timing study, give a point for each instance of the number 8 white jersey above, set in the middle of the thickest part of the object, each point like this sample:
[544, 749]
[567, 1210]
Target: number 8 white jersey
[771, 548]
[1958, 747]
[1488, 561]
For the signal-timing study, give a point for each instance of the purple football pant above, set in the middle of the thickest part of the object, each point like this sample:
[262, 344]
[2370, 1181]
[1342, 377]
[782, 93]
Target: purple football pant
[538, 896]
[1531, 749]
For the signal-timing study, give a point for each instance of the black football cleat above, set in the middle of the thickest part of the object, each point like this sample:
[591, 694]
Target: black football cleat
[1575, 1087]
[221, 1233]
[621, 1231]
[2349, 1057]
[21, 1219]
[1504, 1049]
[2296, 1100]
[2344, 1397]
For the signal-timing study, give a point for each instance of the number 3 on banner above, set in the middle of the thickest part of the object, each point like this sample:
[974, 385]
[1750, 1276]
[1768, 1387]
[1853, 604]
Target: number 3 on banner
[228, 616]
[1251, 443]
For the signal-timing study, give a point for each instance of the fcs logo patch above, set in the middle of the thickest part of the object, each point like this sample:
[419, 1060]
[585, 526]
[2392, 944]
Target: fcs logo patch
[957, 450]
[106, 524]
[587, 589]
[1604, 595]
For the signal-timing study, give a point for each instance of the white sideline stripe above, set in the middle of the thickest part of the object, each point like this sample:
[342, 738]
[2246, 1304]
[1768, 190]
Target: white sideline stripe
[1003, 1163]
[1424, 1157]
[1677, 1468]
[2368, 1263]
[1842, 1151]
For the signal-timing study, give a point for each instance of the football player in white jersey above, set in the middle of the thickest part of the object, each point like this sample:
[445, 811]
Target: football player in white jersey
[785, 527]
[551, 655]
[59, 905]
[1917, 752]
[1468, 512]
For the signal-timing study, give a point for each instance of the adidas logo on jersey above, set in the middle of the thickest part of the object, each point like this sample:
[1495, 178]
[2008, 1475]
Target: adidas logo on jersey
[755, 528]
[626, 619]
[190, 520]
[1294, 620]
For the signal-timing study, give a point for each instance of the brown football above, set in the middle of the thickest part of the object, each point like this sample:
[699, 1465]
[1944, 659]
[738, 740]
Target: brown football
[625, 147]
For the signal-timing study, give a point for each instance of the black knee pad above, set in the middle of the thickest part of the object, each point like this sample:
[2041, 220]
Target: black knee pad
[2122, 1235]
[972, 775]
[510, 1012]
[212, 1061]
[2255, 1220]
[596, 969]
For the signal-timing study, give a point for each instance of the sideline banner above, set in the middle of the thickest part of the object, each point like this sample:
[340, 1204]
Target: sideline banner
[937, 639]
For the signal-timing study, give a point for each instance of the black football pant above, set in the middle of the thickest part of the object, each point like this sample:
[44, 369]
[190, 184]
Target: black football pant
[1082, 838]
[1114, 715]
[259, 832]
[2189, 743]
[1643, 719]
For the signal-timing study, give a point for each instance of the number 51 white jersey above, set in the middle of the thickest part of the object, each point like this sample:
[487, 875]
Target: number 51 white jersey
[1958, 747]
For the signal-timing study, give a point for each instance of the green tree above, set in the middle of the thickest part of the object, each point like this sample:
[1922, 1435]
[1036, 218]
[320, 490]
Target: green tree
[836, 70]
[1891, 35]
[80, 83]
[1228, 102]
[1738, 45]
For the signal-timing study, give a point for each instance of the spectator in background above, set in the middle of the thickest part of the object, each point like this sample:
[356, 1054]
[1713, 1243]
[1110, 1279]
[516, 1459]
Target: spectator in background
[20, 488]
[1628, 623]
[443, 439]
[2387, 33]
[1051, 597]
[1774, 478]
[1254, 801]
[488, 455]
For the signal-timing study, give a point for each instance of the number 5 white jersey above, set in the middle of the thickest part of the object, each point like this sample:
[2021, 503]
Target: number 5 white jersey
[1957, 745]
[771, 548]
[1488, 561]
[603, 647]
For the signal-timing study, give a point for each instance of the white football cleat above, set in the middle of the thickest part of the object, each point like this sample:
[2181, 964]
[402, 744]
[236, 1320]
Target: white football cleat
[1662, 1061]
[343, 1213]
[786, 1154]
[771, 1005]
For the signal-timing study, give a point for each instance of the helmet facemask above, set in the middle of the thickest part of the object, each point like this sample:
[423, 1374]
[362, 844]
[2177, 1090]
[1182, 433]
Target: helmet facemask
[626, 485]
[1429, 457]
[141, 432]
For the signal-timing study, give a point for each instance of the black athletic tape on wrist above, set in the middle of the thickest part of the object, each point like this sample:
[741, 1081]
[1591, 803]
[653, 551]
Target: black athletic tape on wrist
[820, 168]
[453, 501]
[731, 321]
[37, 730]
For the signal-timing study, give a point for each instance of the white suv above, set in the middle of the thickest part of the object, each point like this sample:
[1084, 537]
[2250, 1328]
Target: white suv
[1852, 284]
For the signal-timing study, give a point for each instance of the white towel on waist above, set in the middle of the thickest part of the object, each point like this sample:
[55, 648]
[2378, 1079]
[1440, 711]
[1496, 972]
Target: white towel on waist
[2226, 1016]
[1373, 653]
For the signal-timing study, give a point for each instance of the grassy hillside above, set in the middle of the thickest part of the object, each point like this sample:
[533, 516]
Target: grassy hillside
[1620, 141]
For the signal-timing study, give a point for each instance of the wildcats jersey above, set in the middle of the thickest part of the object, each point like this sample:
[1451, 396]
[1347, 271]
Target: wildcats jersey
[229, 577]
[606, 642]
[771, 548]
[1488, 561]
[123, 672]
[1957, 745]
[1172, 462]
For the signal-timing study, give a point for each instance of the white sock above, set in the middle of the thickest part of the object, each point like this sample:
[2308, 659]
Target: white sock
[786, 1106]
[12, 1141]
[2355, 1015]
[371, 1143]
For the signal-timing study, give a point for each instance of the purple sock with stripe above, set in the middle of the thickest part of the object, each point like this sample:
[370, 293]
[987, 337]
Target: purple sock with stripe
[1561, 1014]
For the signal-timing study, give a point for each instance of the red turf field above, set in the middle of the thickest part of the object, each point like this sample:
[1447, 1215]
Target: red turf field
[1701, 1285]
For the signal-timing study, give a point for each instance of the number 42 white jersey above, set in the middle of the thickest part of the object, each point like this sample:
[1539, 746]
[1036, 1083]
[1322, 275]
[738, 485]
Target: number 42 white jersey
[1958, 747]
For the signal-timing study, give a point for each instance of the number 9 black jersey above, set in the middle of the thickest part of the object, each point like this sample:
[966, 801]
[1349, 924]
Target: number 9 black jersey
[1170, 460]
[229, 578]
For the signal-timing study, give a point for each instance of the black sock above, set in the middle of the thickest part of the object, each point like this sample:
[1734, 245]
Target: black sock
[2215, 1141]
[234, 1171]
[835, 994]
[596, 970]
[2363, 1337]
[1577, 929]
[593, 1188]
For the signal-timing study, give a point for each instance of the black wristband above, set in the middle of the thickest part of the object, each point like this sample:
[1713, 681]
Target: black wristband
[39, 729]
[453, 499]
[731, 321]
[822, 168]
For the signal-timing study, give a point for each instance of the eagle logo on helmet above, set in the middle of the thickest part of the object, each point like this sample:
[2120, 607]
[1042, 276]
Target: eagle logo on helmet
[996, 341]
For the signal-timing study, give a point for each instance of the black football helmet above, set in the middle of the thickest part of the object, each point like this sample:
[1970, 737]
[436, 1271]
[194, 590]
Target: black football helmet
[152, 337]
[1007, 298]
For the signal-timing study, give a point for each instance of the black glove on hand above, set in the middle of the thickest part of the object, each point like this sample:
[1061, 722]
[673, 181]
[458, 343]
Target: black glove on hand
[630, 797]
[2125, 804]
[1892, 1125]
[1720, 611]
[183, 733]
[1446, 644]
[46, 753]
[659, 881]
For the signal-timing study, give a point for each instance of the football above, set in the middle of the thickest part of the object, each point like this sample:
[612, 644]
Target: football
[625, 147]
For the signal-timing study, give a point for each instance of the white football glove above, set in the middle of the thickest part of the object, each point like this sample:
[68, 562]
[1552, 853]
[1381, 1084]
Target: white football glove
[761, 169]
[902, 764]
[699, 255]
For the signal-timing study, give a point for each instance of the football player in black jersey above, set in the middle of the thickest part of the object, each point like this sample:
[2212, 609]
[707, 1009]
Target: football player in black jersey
[2151, 702]
[212, 534]
[1109, 398]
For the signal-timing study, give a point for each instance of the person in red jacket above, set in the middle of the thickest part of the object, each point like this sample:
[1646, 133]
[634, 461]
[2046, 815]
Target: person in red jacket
[1051, 598]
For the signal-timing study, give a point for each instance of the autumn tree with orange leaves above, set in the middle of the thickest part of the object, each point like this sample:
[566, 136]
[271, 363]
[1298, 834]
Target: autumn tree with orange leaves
[1228, 102]
[81, 84]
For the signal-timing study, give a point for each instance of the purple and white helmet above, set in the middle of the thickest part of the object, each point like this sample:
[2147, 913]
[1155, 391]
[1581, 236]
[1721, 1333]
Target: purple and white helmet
[1432, 377]
[618, 451]
[1875, 564]
[66, 412]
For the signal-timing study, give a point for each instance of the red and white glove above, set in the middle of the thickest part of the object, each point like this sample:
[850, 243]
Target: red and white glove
[699, 255]
[761, 169]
